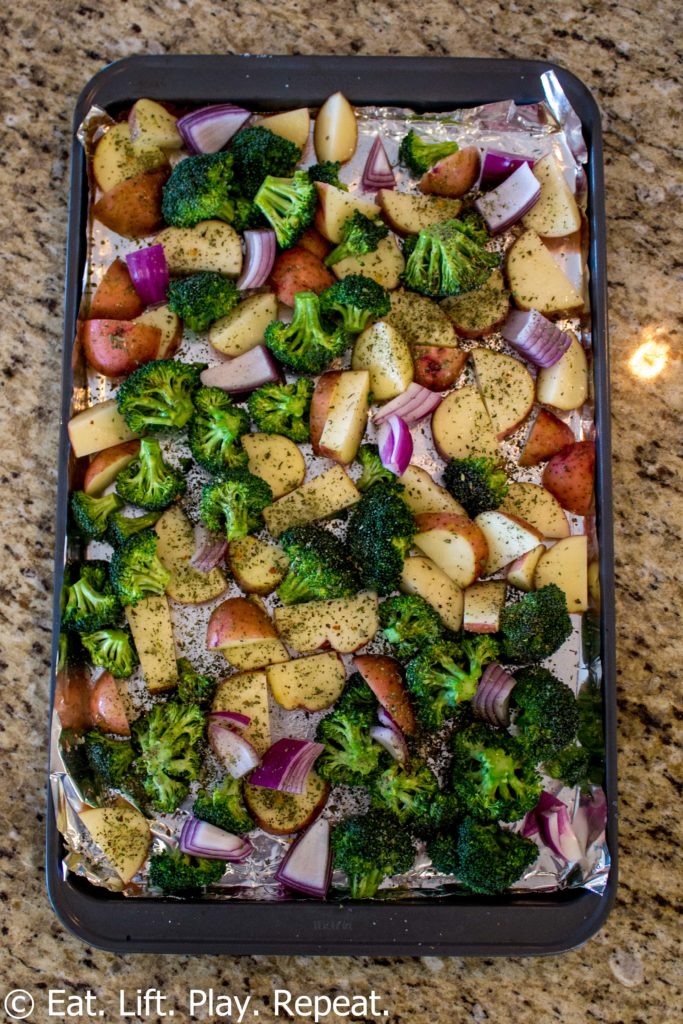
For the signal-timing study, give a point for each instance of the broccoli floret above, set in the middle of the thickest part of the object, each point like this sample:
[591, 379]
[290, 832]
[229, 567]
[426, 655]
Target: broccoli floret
[359, 235]
[224, 807]
[447, 259]
[89, 602]
[258, 152]
[169, 740]
[247, 215]
[571, 766]
[122, 527]
[357, 697]
[381, 530]
[445, 676]
[203, 298]
[409, 624]
[158, 395]
[113, 650]
[534, 627]
[590, 733]
[357, 300]
[479, 484]
[547, 712]
[73, 750]
[443, 852]
[178, 874]
[373, 471]
[490, 858]
[136, 571]
[351, 756]
[199, 188]
[233, 505]
[327, 171]
[215, 430]
[369, 848]
[288, 204]
[192, 687]
[319, 566]
[283, 409]
[413, 796]
[91, 515]
[493, 775]
[148, 481]
[418, 156]
[111, 760]
[304, 344]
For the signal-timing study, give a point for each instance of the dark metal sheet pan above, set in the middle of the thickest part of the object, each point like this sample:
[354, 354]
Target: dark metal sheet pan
[459, 925]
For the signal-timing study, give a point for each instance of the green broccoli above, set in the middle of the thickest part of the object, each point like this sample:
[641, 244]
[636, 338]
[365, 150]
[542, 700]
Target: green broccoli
[351, 756]
[233, 505]
[445, 675]
[319, 566]
[73, 751]
[447, 259]
[590, 733]
[493, 775]
[199, 188]
[547, 712]
[258, 152]
[90, 601]
[359, 235]
[412, 795]
[490, 858]
[534, 627]
[192, 687]
[122, 527]
[215, 430]
[381, 530]
[409, 624]
[418, 156]
[357, 300]
[136, 571]
[112, 760]
[148, 481]
[158, 395]
[443, 852]
[224, 807]
[373, 470]
[288, 204]
[283, 409]
[304, 344]
[203, 298]
[169, 739]
[572, 766]
[91, 515]
[370, 847]
[327, 171]
[178, 874]
[112, 649]
[357, 697]
[247, 215]
[478, 483]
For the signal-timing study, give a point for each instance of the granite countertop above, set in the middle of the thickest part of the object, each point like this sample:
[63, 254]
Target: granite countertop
[631, 972]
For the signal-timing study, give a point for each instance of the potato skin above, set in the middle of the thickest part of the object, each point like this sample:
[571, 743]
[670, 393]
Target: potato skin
[438, 368]
[117, 347]
[453, 176]
[133, 207]
[299, 270]
[115, 297]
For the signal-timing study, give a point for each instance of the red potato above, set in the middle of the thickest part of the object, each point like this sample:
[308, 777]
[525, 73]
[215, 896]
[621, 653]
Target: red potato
[320, 405]
[314, 242]
[383, 676]
[438, 368]
[133, 207]
[456, 544]
[106, 466]
[298, 270]
[117, 347]
[72, 698]
[452, 176]
[115, 297]
[570, 476]
[547, 436]
[237, 622]
[106, 707]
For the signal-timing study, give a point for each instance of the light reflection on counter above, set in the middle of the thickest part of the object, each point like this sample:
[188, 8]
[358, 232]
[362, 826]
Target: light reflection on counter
[651, 357]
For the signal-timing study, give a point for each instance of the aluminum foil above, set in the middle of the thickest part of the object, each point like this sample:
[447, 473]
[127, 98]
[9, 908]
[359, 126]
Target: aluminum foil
[533, 130]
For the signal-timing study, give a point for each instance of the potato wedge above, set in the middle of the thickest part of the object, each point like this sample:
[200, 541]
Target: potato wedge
[407, 214]
[384, 353]
[537, 281]
[385, 265]
[170, 325]
[566, 565]
[538, 507]
[175, 548]
[210, 245]
[438, 368]
[335, 135]
[107, 465]
[423, 577]
[570, 477]
[247, 693]
[507, 387]
[299, 270]
[555, 214]
[462, 427]
[258, 567]
[507, 538]
[344, 624]
[477, 313]
[347, 415]
[238, 621]
[117, 159]
[565, 385]
[115, 348]
[294, 125]
[385, 678]
[335, 206]
[150, 624]
[107, 708]
[97, 427]
[133, 207]
[312, 683]
[454, 175]
[256, 655]
[521, 572]
[319, 498]
[277, 460]
[546, 437]
[280, 814]
[422, 494]
[484, 601]
[152, 126]
[115, 297]
[244, 327]
[420, 320]
[123, 835]
[456, 544]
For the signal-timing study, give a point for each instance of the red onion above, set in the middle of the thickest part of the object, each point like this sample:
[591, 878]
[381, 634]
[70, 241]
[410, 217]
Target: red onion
[200, 839]
[209, 549]
[414, 404]
[209, 129]
[395, 445]
[492, 699]
[496, 166]
[377, 172]
[307, 866]
[238, 756]
[550, 819]
[230, 718]
[149, 273]
[537, 338]
[243, 373]
[508, 202]
[590, 819]
[261, 245]
[389, 736]
[286, 765]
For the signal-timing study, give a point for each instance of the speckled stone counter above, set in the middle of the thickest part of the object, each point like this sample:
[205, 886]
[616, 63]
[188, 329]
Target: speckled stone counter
[631, 972]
